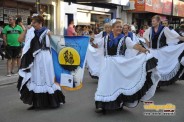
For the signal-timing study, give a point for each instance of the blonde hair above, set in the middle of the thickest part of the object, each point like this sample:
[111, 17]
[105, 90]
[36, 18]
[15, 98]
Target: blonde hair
[117, 22]
[157, 17]
[126, 25]
[107, 25]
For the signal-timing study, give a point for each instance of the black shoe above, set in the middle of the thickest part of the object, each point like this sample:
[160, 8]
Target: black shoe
[99, 110]
[31, 108]
[120, 108]
[158, 87]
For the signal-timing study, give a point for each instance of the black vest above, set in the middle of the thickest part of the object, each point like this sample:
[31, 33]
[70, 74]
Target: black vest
[113, 49]
[155, 40]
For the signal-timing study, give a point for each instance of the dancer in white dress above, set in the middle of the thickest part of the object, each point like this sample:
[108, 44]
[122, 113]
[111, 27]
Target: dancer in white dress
[95, 53]
[163, 44]
[36, 82]
[124, 81]
[130, 52]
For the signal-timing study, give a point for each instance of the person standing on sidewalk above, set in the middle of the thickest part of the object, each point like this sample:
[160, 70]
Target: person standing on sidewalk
[11, 33]
[71, 29]
[1, 42]
[133, 27]
[20, 23]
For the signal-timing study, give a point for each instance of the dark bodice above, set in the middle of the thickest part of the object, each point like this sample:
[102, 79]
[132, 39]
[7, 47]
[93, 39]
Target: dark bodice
[112, 50]
[39, 44]
[155, 39]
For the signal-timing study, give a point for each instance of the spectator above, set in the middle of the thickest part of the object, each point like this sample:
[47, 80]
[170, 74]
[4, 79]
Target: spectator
[166, 24]
[181, 31]
[145, 27]
[11, 33]
[141, 31]
[133, 27]
[20, 23]
[96, 30]
[85, 31]
[1, 42]
[71, 29]
[88, 28]
[78, 30]
[92, 36]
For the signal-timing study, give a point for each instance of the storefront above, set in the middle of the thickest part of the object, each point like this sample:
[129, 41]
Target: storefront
[86, 14]
[106, 9]
[25, 9]
[90, 12]
[167, 9]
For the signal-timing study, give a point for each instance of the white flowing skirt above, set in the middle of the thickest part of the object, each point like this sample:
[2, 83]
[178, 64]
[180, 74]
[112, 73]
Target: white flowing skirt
[169, 61]
[125, 76]
[95, 60]
[42, 79]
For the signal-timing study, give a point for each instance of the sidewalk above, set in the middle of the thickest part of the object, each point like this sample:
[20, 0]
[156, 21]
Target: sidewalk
[4, 80]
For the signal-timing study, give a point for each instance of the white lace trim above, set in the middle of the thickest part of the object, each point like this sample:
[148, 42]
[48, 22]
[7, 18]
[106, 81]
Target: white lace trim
[42, 88]
[167, 77]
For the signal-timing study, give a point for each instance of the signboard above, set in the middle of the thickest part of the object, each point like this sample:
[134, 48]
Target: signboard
[6, 18]
[139, 5]
[117, 2]
[1, 13]
[178, 8]
[24, 14]
[10, 11]
[155, 6]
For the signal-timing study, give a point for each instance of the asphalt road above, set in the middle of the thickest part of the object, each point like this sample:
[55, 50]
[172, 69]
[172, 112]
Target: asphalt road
[80, 106]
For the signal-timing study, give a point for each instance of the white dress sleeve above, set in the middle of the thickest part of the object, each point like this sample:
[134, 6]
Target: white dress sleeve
[171, 36]
[99, 40]
[129, 43]
[99, 35]
[48, 39]
[135, 39]
[146, 34]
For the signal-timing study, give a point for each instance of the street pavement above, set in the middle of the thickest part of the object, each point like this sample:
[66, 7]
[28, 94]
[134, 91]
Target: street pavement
[80, 106]
[3, 72]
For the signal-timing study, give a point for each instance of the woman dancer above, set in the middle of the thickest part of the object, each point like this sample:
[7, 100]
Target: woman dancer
[36, 81]
[164, 46]
[95, 53]
[124, 81]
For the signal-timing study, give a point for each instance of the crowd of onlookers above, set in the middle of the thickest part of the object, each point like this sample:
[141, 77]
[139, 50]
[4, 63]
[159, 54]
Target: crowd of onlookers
[83, 30]
[9, 37]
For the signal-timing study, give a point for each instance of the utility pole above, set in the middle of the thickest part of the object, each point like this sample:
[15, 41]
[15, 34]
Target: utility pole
[172, 7]
[38, 6]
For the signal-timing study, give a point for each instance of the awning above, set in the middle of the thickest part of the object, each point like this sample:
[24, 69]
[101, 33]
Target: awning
[116, 2]
[101, 3]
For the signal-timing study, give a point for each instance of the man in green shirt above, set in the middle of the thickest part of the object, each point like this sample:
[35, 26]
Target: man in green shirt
[11, 34]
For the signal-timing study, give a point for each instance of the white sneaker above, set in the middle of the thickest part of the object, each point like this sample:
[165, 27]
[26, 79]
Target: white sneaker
[15, 74]
[8, 75]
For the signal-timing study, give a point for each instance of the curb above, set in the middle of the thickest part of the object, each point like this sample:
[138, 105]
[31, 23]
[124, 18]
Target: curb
[8, 80]
[6, 84]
